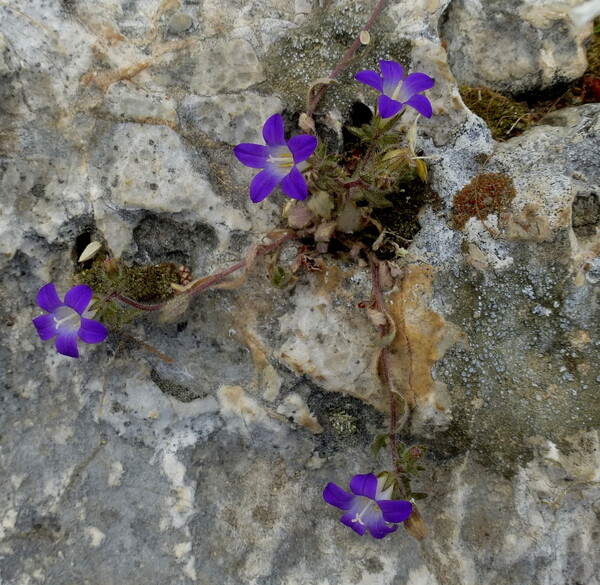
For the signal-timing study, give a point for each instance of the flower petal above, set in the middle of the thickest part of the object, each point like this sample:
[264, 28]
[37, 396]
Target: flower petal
[79, 297]
[371, 78]
[421, 104]
[356, 526]
[252, 155]
[47, 298]
[334, 495]
[415, 83]
[294, 185]
[364, 485]
[66, 344]
[392, 72]
[92, 331]
[273, 131]
[380, 529]
[302, 147]
[388, 107]
[262, 185]
[46, 326]
[395, 510]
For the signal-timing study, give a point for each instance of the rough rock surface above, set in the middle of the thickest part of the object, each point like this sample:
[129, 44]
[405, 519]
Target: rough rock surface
[117, 121]
[514, 47]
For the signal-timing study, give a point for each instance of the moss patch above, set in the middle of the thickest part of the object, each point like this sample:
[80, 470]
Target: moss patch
[504, 116]
[140, 283]
[486, 193]
[507, 117]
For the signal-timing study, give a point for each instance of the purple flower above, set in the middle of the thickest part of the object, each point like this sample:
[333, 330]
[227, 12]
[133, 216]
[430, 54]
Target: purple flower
[398, 91]
[368, 506]
[282, 161]
[69, 320]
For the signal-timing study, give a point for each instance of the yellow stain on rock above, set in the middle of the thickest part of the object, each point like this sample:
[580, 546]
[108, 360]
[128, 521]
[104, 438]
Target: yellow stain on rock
[422, 338]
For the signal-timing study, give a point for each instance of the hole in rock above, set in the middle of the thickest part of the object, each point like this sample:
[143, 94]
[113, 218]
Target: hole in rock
[585, 216]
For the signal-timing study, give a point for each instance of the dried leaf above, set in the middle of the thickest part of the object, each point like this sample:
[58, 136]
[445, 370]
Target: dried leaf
[325, 231]
[349, 219]
[415, 526]
[320, 81]
[380, 239]
[321, 204]
[377, 317]
[174, 308]
[90, 251]
[307, 124]
[298, 215]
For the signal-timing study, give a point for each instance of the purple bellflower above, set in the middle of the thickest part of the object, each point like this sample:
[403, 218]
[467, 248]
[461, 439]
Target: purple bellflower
[282, 161]
[397, 90]
[368, 506]
[68, 320]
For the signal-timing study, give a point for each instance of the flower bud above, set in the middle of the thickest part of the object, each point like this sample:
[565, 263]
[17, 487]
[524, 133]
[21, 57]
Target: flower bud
[415, 452]
[414, 524]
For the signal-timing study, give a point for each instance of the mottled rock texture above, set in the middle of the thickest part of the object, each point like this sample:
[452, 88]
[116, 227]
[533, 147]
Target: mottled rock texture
[117, 121]
[514, 47]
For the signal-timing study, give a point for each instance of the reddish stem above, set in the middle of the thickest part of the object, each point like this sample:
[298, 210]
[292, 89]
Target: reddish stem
[383, 361]
[346, 58]
[211, 280]
[356, 183]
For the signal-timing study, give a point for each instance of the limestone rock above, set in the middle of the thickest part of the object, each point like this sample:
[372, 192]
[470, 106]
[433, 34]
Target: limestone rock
[196, 451]
[514, 47]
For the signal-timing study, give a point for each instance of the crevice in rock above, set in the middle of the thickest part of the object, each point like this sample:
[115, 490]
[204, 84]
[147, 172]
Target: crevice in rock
[585, 216]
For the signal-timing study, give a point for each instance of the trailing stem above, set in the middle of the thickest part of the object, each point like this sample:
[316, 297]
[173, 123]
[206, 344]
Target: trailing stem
[384, 367]
[344, 61]
[208, 282]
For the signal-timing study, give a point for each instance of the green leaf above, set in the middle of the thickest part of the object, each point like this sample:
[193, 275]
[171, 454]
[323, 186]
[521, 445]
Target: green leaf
[379, 443]
[389, 482]
[377, 199]
[419, 495]
[364, 133]
[280, 277]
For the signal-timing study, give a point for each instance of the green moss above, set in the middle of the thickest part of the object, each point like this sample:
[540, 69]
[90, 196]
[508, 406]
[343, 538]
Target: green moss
[593, 53]
[504, 116]
[507, 118]
[140, 283]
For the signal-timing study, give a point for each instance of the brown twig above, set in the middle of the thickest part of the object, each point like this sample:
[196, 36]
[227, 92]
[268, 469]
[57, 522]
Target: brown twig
[345, 59]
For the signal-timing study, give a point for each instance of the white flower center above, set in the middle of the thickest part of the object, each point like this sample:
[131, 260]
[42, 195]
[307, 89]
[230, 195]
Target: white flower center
[396, 92]
[67, 318]
[284, 161]
[364, 510]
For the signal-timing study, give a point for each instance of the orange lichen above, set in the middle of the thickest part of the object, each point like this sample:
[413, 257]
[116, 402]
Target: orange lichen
[486, 193]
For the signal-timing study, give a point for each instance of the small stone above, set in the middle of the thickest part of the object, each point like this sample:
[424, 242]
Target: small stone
[179, 23]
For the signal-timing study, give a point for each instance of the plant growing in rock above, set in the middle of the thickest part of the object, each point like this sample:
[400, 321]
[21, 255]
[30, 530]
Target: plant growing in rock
[334, 197]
